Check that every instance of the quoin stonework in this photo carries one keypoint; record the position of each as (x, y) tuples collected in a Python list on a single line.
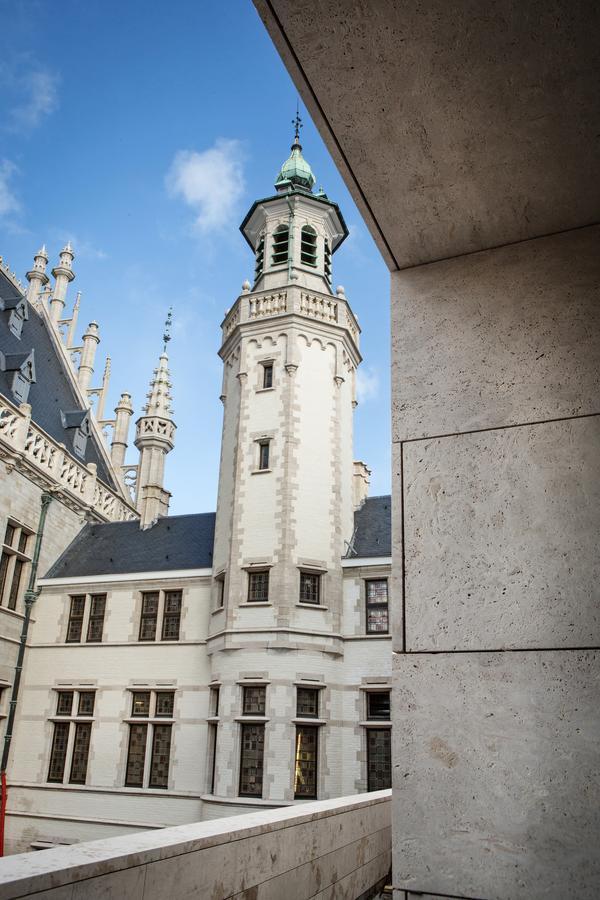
[(180, 668)]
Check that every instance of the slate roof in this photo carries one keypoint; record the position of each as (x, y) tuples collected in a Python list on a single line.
[(118, 548), (51, 392), (373, 528)]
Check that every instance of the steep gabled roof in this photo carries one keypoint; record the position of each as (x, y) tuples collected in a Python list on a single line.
[(119, 548), (52, 392), (373, 528)]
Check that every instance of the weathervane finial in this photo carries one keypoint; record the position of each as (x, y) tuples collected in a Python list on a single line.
[(297, 123), (167, 334)]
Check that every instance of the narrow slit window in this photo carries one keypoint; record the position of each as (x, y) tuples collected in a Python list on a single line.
[(379, 759), (58, 753), (81, 751), (251, 760), (308, 246), (16, 583), (263, 455), (281, 243), (136, 755), (161, 753), (267, 375)]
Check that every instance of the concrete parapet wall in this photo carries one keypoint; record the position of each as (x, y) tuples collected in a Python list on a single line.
[(338, 848)]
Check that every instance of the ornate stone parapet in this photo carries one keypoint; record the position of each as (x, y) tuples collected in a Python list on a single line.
[(30, 450)]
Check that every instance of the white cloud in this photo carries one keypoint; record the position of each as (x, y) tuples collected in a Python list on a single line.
[(36, 97), (367, 384), (9, 203), (210, 182)]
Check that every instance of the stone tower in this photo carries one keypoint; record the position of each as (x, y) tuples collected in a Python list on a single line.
[(154, 438), (285, 504)]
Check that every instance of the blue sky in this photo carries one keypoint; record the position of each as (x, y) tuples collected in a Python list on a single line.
[(143, 132)]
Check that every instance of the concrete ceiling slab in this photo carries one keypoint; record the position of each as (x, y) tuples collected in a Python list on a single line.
[(457, 126)]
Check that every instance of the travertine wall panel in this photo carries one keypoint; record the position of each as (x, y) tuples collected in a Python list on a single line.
[(517, 734), (501, 538), (498, 338)]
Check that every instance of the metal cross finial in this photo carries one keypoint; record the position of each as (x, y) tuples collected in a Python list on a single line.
[(167, 334), (297, 123)]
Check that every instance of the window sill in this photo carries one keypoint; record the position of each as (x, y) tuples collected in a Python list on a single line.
[(214, 720), (265, 390), (376, 723), (311, 606), (150, 720), (260, 471), (305, 721), (255, 603), (219, 609), (252, 720)]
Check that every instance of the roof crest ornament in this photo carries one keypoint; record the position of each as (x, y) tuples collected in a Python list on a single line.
[(167, 332)]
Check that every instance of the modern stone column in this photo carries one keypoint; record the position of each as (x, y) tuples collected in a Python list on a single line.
[(496, 380)]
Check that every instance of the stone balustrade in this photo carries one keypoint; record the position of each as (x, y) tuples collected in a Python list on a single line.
[(299, 301), (24, 445), (330, 848)]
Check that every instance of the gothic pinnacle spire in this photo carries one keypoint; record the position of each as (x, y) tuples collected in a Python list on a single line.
[(167, 332), (297, 123)]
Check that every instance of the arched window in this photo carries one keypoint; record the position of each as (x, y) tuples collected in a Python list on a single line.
[(260, 258), (327, 262), (281, 244), (308, 246)]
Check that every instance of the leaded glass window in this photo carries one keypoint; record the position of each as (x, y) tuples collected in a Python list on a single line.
[(75, 626), (16, 584), (141, 703), (165, 704), (377, 606), (4, 561), (305, 767), (307, 703), (310, 588), (64, 703), (251, 760), (171, 616), (58, 753), (136, 755), (379, 759), (254, 700), (86, 703), (263, 454), (149, 616), (81, 749), (258, 587), (96, 620), (267, 375), (161, 752)]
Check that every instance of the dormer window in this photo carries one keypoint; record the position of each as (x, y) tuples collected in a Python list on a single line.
[(22, 368), (260, 259), (79, 422), (308, 246), (281, 244), (17, 318)]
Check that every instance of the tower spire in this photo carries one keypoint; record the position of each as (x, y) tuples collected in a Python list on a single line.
[(297, 123)]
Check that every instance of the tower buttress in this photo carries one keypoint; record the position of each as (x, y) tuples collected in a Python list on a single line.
[(63, 274), (154, 438)]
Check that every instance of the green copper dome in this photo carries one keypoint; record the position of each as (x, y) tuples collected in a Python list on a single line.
[(296, 170)]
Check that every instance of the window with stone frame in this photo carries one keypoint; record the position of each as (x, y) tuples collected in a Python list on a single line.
[(149, 743), (307, 703), (378, 706), (306, 762), (76, 615), (74, 709), (252, 753), (171, 616), (258, 586), (310, 588), (14, 558), (96, 618), (376, 590), (267, 375), (160, 615), (220, 583), (254, 699)]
